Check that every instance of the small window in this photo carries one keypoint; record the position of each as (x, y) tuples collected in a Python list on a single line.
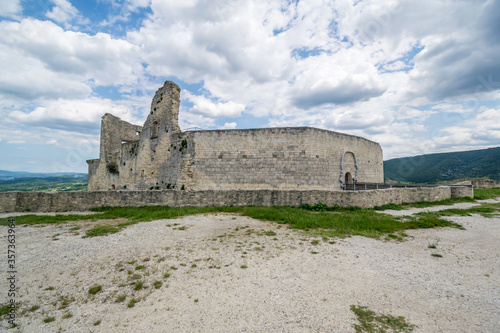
[(142, 173), (137, 133), (113, 186), (154, 130)]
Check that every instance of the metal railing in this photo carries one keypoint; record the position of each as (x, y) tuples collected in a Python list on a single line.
[(373, 186)]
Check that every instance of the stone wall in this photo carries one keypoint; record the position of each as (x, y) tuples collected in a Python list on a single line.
[(79, 201), (300, 158), (485, 183)]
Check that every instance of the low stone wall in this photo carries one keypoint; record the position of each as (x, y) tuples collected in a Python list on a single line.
[(485, 183), (79, 201)]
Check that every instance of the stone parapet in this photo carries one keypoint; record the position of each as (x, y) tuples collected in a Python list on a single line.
[(80, 201)]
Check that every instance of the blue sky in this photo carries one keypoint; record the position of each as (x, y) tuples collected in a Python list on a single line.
[(416, 76)]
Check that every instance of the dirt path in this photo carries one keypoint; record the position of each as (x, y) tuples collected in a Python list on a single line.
[(234, 274)]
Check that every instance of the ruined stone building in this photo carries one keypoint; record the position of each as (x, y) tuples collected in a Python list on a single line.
[(158, 155)]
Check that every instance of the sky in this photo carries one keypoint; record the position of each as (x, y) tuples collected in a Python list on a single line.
[(418, 77)]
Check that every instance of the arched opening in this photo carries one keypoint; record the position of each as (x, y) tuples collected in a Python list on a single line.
[(154, 130), (348, 178)]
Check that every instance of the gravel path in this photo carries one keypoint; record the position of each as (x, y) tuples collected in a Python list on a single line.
[(235, 274)]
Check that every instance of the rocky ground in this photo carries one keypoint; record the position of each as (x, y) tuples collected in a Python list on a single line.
[(227, 273)]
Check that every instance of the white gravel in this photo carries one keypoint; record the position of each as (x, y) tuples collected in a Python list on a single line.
[(285, 287)]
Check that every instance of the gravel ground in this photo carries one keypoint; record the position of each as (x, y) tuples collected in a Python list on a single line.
[(235, 274)]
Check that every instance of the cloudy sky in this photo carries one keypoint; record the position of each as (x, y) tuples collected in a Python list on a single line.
[(416, 76)]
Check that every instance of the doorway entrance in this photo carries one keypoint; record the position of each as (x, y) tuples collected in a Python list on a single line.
[(348, 178)]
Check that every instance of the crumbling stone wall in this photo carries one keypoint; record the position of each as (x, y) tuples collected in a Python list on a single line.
[(163, 157)]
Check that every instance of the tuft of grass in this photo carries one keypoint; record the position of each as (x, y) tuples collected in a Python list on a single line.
[(101, 230), (166, 275), (49, 288), (94, 290), (244, 266), (131, 303), (436, 255), (371, 322), (433, 245), (121, 298), (139, 267), (34, 308), (138, 285), (269, 233), (67, 315), (97, 322), (157, 284), (4, 310), (49, 319)]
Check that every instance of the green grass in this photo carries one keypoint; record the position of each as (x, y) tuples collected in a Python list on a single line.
[(4, 310), (67, 315), (486, 193), (131, 303), (49, 319), (338, 222), (485, 210), (424, 204), (94, 290), (371, 322), (121, 298)]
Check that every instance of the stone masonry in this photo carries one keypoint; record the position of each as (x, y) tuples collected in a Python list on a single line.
[(158, 156)]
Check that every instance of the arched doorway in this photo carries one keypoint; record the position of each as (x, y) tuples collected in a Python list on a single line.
[(348, 178)]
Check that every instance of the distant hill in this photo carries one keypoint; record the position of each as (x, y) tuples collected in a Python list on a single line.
[(4, 174), (434, 168), (27, 181)]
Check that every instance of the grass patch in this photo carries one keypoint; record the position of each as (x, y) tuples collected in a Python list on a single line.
[(49, 319), (67, 315), (424, 204), (97, 322), (486, 193), (94, 290), (328, 222), (138, 285), (34, 308), (4, 310), (157, 284), (369, 322), (131, 303), (121, 298), (485, 210)]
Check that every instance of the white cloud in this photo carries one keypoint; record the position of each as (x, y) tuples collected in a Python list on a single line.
[(231, 125), (73, 56), (62, 12), (206, 107), (10, 8), (74, 115)]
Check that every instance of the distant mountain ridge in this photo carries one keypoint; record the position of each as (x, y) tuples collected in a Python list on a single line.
[(434, 168), (7, 175)]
